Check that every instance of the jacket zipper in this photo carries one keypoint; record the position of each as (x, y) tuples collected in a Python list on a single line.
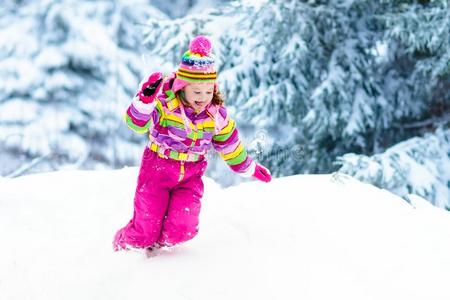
[(181, 171)]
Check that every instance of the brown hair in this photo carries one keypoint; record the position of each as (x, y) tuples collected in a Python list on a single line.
[(216, 100)]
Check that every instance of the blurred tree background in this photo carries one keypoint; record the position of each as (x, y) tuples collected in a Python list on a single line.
[(358, 87)]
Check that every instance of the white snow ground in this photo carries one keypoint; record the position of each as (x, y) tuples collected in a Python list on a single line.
[(298, 237)]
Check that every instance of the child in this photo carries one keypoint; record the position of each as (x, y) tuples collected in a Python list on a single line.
[(185, 116)]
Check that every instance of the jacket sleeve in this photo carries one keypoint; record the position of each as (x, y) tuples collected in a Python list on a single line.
[(230, 146), (139, 115)]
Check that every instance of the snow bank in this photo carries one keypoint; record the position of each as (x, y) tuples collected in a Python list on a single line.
[(298, 237)]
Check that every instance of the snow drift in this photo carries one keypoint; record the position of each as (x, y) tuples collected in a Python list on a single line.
[(298, 237)]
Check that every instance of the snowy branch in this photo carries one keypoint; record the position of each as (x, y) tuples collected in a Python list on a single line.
[(432, 121)]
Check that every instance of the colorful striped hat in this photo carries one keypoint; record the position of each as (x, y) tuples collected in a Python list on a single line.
[(197, 65)]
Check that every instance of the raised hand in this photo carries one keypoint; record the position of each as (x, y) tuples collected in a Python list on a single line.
[(148, 91)]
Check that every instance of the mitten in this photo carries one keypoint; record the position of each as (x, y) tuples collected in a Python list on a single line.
[(148, 91), (262, 173)]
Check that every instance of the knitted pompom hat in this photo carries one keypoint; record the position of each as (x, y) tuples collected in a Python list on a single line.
[(197, 65)]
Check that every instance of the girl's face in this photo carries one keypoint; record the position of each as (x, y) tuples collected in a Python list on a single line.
[(199, 95)]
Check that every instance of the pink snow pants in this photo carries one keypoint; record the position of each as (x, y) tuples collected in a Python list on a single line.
[(166, 207)]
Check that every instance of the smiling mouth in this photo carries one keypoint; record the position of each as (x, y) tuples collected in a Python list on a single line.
[(198, 103)]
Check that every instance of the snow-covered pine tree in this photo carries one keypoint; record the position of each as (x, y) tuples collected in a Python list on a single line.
[(344, 109), (419, 165), (416, 79), (302, 71), (182, 8), (68, 70), (416, 69)]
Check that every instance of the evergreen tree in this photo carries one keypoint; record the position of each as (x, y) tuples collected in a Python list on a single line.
[(415, 73), (419, 165), (64, 87), (305, 73)]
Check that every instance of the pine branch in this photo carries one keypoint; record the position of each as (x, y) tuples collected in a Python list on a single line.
[(24, 168), (432, 121)]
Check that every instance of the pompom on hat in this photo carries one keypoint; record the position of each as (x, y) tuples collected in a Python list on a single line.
[(197, 65)]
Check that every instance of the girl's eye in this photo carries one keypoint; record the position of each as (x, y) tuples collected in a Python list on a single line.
[(197, 93)]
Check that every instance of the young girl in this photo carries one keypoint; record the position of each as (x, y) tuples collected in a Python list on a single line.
[(184, 115)]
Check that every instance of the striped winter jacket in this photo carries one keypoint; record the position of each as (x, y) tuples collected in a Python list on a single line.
[(181, 132)]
